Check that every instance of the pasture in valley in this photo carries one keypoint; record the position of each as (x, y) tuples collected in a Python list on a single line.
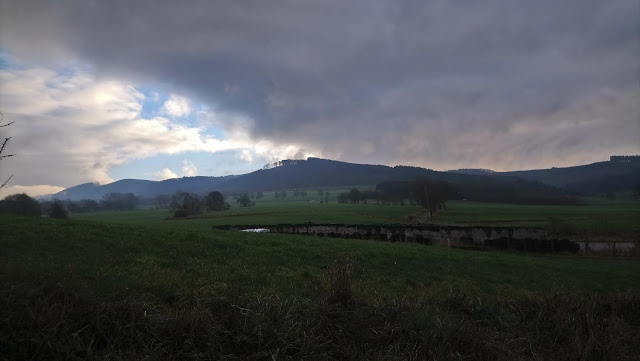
[(129, 285), (598, 217), (267, 213)]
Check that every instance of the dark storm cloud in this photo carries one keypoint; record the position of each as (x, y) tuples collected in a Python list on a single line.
[(442, 84)]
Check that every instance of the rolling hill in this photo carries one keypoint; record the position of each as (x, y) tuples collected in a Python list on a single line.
[(594, 178)]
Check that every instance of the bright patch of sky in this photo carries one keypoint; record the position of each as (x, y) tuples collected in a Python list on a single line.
[(72, 126), (177, 106), (8, 61), (217, 165), (152, 102), (164, 166), (488, 84), (157, 103)]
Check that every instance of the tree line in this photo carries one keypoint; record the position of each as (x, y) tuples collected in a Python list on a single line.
[(430, 195), (23, 205), (182, 203)]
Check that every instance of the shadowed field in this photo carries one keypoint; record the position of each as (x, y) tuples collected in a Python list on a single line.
[(268, 213), (597, 217), (78, 289)]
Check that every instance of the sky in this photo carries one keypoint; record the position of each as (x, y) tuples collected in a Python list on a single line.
[(106, 90)]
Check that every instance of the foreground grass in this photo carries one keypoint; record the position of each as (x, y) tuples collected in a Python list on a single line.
[(80, 289), (198, 262)]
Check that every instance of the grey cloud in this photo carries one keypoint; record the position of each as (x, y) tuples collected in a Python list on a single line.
[(75, 128), (439, 84)]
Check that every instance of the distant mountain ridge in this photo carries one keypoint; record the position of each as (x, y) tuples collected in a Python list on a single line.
[(476, 171), (143, 188), (593, 178), (611, 176)]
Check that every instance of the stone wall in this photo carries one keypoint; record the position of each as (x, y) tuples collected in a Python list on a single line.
[(524, 239), (609, 248)]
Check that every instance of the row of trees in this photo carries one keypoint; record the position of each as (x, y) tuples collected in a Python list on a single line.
[(187, 204), (357, 196), (183, 203), (254, 195), (20, 204), (280, 195), (429, 194), (109, 202), (298, 193), (23, 205)]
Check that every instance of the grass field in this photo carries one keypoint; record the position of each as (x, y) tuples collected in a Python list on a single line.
[(179, 290), (267, 213), (190, 259), (597, 216)]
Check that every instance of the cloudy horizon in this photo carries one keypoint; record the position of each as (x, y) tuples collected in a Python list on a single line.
[(101, 91)]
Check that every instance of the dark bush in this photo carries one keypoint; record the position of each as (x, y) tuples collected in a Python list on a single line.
[(244, 200), (119, 201), (186, 204), (215, 202), (57, 210), (20, 204)]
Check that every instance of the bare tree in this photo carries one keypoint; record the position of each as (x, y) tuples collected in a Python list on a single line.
[(2, 148), (432, 195), (244, 200)]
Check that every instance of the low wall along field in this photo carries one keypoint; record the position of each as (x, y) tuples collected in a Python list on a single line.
[(508, 238)]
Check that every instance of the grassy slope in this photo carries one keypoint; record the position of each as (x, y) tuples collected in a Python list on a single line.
[(192, 260), (85, 289), (597, 216), (268, 213)]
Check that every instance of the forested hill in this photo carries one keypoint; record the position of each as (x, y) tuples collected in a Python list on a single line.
[(621, 173), (143, 188), (601, 177), (314, 173)]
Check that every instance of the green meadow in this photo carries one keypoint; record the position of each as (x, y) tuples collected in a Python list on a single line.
[(198, 261), (267, 213), (597, 217), (140, 285)]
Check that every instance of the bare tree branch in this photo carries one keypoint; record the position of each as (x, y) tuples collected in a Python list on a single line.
[(4, 144), (5, 182), (2, 148), (4, 125)]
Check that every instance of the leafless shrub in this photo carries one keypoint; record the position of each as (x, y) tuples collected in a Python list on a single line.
[(340, 277)]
